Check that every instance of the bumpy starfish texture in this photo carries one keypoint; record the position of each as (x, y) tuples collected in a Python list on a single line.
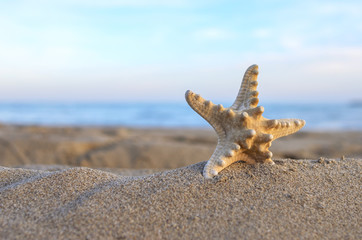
[(243, 133)]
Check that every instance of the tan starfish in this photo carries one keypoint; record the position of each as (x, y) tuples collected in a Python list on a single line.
[(243, 133)]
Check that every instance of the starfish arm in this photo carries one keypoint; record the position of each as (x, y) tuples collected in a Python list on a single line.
[(215, 162), (247, 96), (207, 110), (224, 155), (283, 127)]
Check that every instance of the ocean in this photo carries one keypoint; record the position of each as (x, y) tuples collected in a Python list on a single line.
[(339, 117)]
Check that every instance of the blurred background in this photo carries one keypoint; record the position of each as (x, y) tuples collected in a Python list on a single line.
[(95, 82), (129, 62)]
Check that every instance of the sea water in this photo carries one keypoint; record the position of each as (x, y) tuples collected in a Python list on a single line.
[(318, 116)]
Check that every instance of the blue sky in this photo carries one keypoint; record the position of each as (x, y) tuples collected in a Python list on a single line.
[(138, 50)]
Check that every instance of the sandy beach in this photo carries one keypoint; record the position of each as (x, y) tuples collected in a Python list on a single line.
[(121, 183), (180, 119), (117, 147)]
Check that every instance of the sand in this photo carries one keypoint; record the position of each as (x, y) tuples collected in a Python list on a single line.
[(124, 190), (291, 199), (116, 147)]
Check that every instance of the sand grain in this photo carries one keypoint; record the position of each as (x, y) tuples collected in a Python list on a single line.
[(303, 199)]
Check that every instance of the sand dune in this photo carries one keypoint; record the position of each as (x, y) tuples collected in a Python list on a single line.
[(291, 199)]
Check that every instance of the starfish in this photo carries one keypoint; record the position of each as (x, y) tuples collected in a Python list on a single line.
[(243, 133)]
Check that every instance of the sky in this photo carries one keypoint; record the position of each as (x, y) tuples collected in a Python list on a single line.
[(155, 50)]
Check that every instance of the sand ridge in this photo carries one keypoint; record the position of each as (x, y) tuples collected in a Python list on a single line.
[(308, 199)]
